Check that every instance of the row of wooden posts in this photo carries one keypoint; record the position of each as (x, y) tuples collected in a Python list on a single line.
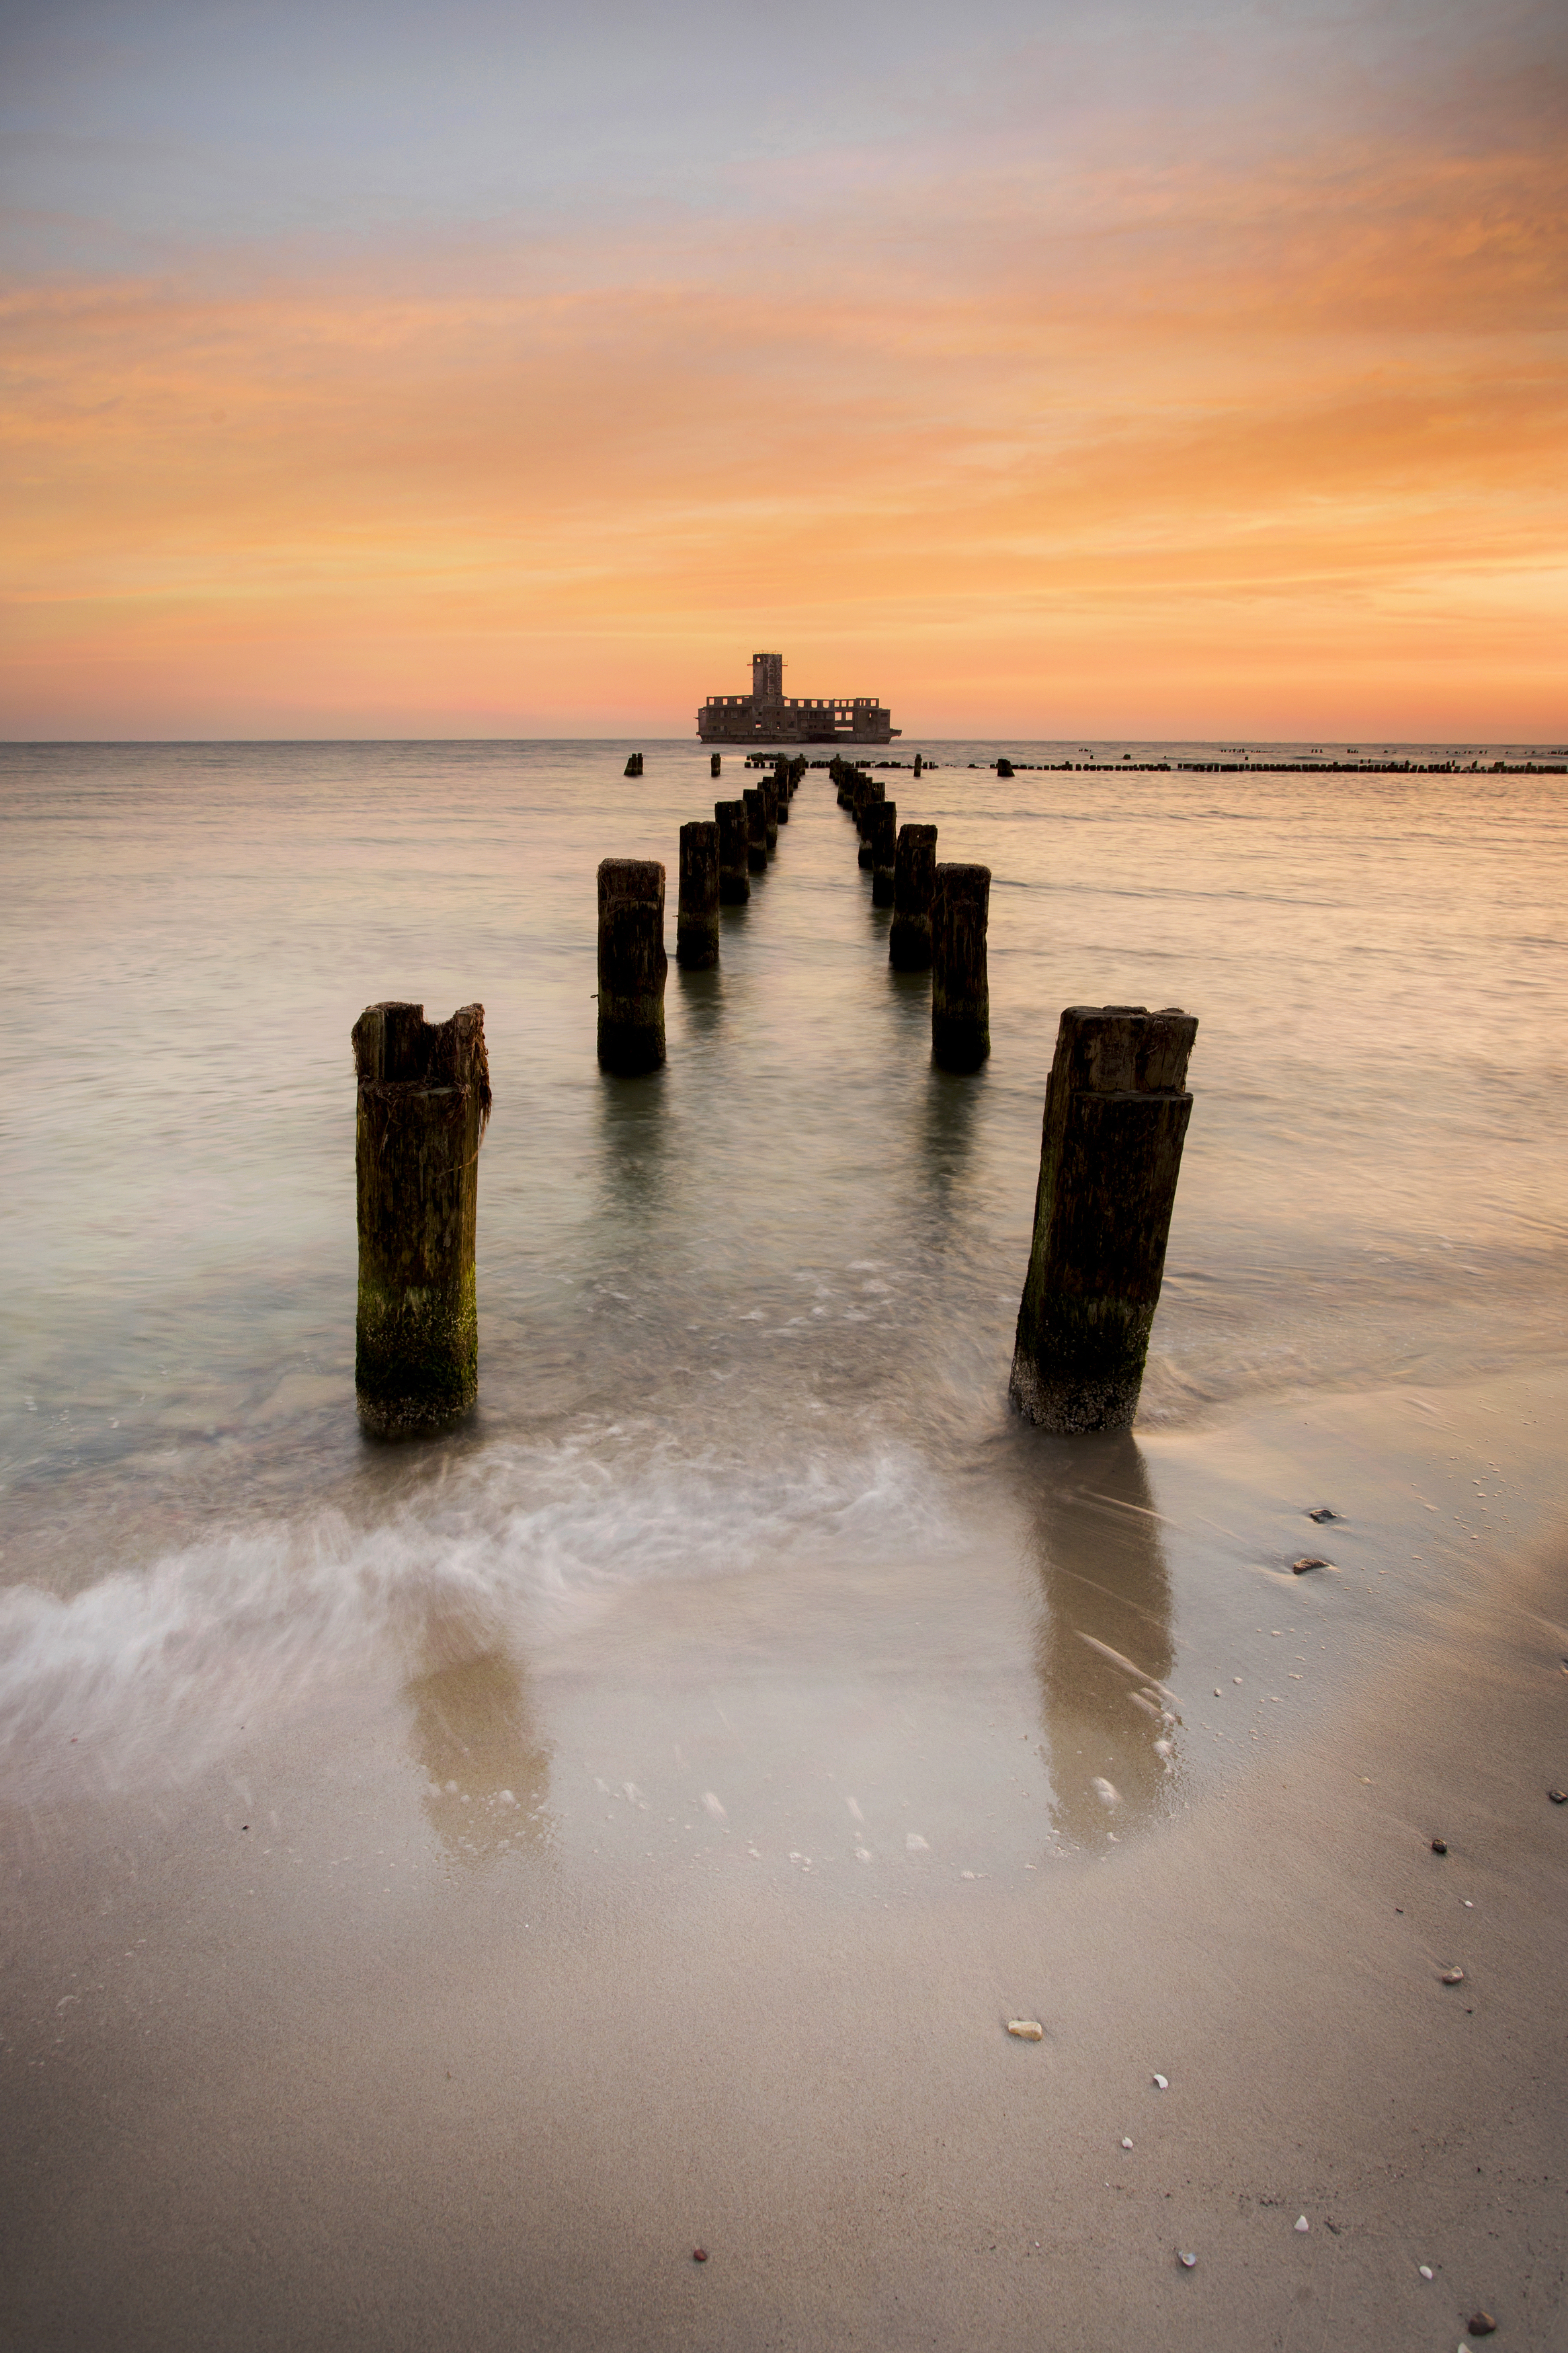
[(1116, 1116)]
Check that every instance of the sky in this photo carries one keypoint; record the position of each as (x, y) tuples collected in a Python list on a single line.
[(1121, 368)]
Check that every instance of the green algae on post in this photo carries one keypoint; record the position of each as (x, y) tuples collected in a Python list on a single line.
[(423, 1099), (1115, 1120)]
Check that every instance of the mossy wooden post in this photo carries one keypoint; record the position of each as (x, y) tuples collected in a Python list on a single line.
[(735, 882), (756, 830), (960, 993), (632, 965), (884, 849), (1110, 1151), (914, 879), (715, 762), (423, 1100), (697, 917), (768, 791)]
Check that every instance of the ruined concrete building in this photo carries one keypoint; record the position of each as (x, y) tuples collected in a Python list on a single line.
[(767, 716)]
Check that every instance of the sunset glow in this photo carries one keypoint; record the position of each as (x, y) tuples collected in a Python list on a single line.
[(1196, 376)]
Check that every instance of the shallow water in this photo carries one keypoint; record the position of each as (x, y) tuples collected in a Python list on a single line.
[(741, 1320)]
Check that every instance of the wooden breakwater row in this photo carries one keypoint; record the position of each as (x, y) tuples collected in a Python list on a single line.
[(1116, 1114)]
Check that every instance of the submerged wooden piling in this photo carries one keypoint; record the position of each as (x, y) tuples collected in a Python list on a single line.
[(782, 790), (1110, 1151), (424, 1097), (634, 764), (756, 829), (715, 762), (697, 917), (914, 880), (768, 791), (884, 848), (960, 993), (735, 882), (632, 965)]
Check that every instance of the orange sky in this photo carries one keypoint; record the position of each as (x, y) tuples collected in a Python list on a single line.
[(1031, 436)]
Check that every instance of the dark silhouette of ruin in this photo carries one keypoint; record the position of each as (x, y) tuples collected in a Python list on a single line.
[(767, 715)]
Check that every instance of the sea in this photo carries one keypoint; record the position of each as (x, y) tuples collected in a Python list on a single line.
[(745, 1323)]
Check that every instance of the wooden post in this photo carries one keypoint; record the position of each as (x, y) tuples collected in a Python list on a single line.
[(696, 919), (423, 1099), (634, 764), (919, 764), (914, 879), (756, 830), (715, 762), (884, 848), (768, 791), (632, 965), (960, 993), (734, 882), (1110, 1151), (866, 808), (781, 788)]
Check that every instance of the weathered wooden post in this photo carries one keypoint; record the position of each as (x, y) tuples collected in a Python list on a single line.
[(632, 964), (1004, 768), (914, 879), (919, 764), (735, 882), (884, 849), (756, 830), (1110, 1151), (697, 917), (781, 788), (634, 764), (768, 791), (715, 762), (871, 799), (960, 993), (423, 1100)]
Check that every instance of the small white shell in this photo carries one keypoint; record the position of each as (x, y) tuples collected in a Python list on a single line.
[(1027, 2030), (1162, 2082)]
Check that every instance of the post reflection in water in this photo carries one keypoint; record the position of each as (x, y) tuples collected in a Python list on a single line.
[(1103, 1651), (950, 1106), (487, 1770), (633, 1122), (701, 1000)]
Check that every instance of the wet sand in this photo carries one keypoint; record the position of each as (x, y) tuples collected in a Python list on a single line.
[(318, 2049)]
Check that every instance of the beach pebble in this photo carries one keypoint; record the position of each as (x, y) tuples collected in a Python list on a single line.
[(699, 2254), (1027, 2030), (1453, 1977), (1558, 1797), (1302, 2223), (1425, 2270), (1186, 2262), (1125, 2142), (1162, 2084), (1439, 1846), (1322, 1514), (1307, 1560), (1480, 2324)]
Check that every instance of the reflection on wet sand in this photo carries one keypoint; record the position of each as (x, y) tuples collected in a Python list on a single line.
[(1103, 1651), (487, 1770)]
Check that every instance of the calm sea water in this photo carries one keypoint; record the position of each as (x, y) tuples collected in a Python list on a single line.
[(759, 1307)]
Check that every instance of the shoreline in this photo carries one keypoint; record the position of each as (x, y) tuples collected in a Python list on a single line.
[(413, 2071)]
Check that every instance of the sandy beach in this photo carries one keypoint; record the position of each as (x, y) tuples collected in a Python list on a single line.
[(322, 2051)]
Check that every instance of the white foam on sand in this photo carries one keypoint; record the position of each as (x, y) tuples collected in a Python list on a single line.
[(154, 1671)]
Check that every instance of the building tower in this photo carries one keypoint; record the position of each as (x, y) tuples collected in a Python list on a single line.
[(767, 678)]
